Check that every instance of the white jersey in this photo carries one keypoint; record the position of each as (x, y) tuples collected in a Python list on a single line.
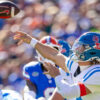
[(72, 66), (67, 78), (91, 79)]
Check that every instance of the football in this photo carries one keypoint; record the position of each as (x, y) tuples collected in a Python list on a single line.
[(8, 9)]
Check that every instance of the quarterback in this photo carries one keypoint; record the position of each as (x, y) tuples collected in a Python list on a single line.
[(87, 52)]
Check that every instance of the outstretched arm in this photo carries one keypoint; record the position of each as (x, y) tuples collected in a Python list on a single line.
[(65, 89), (46, 51)]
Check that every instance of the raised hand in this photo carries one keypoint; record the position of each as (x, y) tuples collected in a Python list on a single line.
[(22, 37)]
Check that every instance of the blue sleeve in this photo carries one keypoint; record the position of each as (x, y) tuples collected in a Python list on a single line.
[(32, 71)]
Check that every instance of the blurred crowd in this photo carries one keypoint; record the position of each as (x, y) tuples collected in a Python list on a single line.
[(63, 19)]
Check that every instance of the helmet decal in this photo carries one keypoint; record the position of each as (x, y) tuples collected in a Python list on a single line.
[(96, 40)]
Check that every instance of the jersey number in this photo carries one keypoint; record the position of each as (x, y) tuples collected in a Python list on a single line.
[(48, 92)]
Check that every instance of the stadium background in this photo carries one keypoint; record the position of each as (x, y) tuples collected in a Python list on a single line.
[(64, 19)]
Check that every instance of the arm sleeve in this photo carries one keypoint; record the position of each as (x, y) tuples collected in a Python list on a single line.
[(66, 76), (67, 90)]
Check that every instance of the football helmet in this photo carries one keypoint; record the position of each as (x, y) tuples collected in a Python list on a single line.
[(87, 47), (50, 41)]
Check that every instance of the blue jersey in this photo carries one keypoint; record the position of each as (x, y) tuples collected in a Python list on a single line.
[(45, 84)]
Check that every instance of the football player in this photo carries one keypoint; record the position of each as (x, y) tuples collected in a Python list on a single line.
[(39, 84), (87, 83)]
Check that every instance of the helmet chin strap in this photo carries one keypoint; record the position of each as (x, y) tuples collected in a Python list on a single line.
[(84, 63)]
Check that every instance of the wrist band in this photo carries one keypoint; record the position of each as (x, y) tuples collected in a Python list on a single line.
[(33, 42)]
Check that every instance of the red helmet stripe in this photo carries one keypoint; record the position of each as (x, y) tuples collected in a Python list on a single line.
[(53, 41), (49, 40), (43, 41)]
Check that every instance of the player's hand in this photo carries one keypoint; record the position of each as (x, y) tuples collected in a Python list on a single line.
[(22, 37), (52, 70)]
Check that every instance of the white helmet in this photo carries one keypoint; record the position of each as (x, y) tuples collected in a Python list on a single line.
[(50, 41)]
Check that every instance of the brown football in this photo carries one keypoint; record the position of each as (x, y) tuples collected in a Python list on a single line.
[(8, 9)]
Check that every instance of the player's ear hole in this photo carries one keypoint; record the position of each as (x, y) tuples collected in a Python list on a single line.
[(56, 48)]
